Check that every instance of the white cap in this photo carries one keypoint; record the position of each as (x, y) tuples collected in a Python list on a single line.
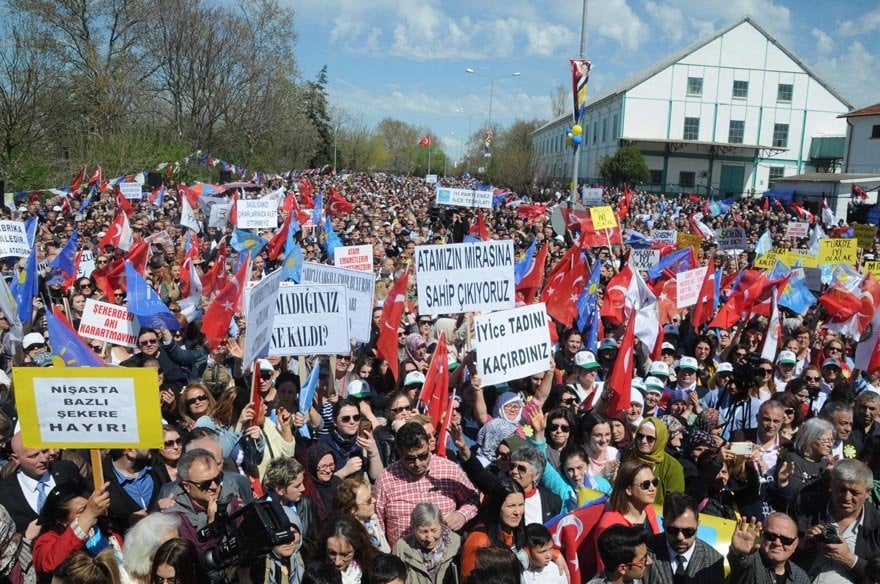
[(724, 367), (586, 360), (659, 368), (667, 346), (414, 378), (32, 339), (786, 358), (654, 385), (359, 388), (639, 384), (688, 363), (264, 365)]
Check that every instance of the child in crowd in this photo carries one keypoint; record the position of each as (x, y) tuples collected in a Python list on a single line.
[(542, 569)]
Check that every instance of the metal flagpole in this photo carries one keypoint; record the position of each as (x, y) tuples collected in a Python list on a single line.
[(576, 158)]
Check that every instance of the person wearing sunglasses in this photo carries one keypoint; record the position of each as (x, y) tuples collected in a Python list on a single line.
[(194, 402), (649, 446), (165, 459), (679, 555), (559, 434), (174, 361), (775, 542), (623, 551), (354, 448)]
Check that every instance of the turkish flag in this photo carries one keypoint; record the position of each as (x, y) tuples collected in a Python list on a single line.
[(435, 391), (666, 300), (561, 294), (479, 229), (96, 177), (705, 307), (534, 277), (569, 533), (591, 237), (276, 244), (306, 190), (215, 324), (389, 322), (188, 259), (337, 205), (118, 234), (123, 203), (425, 142), (620, 380), (77, 180), (215, 278), (625, 200)]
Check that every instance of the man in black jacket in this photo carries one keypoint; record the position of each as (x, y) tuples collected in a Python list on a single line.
[(174, 362)]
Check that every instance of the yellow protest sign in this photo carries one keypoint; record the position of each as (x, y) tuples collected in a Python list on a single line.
[(865, 235), (603, 217), (768, 260), (88, 407), (806, 259), (872, 267), (837, 251), (683, 240)]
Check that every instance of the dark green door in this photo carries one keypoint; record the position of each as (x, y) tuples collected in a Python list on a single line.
[(732, 180)]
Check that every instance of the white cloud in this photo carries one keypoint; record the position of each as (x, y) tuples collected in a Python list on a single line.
[(853, 73), (669, 18), (866, 23), (824, 43)]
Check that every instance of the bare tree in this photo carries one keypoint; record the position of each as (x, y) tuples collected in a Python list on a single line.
[(560, 100)]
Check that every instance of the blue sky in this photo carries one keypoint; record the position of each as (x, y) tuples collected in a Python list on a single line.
[(407, 58)]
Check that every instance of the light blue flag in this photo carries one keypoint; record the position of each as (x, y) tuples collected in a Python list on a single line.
[(245, 241), (588, 315), (796, 296), (307, 395), (521, 268), (144, 303), (67, 345), (331, 241), (24, 287), (764, 244)]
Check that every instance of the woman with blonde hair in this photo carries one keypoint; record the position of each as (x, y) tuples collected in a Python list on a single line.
[(81, 568), (194, 402), (221, 418)]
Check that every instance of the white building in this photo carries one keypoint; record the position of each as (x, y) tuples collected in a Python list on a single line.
[(727, 115), (862, 150)]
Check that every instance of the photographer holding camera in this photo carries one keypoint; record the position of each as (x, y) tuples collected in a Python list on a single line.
[(839, 533)]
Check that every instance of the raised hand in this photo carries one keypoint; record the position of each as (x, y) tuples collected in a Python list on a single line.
[(745, 536)]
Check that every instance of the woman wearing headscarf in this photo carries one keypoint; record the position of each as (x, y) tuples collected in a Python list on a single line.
[(621, 433), (417, 351), (322, 471), (285, 565), (676, 436), (507, 414), (650, 447)]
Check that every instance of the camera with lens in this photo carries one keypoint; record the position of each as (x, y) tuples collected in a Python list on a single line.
[(246, 534), (828, 535)]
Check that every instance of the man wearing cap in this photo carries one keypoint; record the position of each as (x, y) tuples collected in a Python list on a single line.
[(668, 354), (586, 386), (785, 364), (412, 384), (35, 350), (686, 385), (660, 370), (654, 388), (607, 351), (830, 374)]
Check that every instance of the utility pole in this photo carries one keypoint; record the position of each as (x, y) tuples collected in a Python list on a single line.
[(576, 158)]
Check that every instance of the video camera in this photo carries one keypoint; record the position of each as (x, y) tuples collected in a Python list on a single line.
[(246, 534)]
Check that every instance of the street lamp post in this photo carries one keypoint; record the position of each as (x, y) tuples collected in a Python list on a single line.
[(491, 85), (470, 117)]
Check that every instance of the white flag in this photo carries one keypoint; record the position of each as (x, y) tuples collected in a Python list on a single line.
[(188, 217)]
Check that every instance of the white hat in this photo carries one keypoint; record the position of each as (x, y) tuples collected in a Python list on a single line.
[(654, 385), (659, 368), (636, 396), (786, 358), (586, 360), (56, 208), (32, 339), (639, 384), (264, 365), (688, 363), (724, 367), (667, 347), (359, 388), (414, 378)]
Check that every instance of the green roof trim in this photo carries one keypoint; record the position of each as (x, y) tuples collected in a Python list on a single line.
[(827, 147)]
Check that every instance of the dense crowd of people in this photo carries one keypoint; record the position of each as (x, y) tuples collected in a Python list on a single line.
[(786, 445)]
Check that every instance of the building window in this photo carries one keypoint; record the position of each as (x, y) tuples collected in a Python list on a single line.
[(780, 135), (776, 172), (605, 130), (595, 133), (875, 131), (784, 92), (687, 179), (656, 177), (691, 129), (615, 121), (736, 132), (695, 86), (740, 89)]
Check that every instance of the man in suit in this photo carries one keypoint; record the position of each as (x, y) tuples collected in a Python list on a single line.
[(23, 492), (778, 541), (866, 430), (679, 556), (841, 417)]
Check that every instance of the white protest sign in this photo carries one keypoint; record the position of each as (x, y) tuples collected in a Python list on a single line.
[(644, 259), (257, 214), (689, 284), (360, 286), (797, 229), (593, 197), (86, 264), (188, 217), (431, 179), (512, 343), (131, 190), (354, 257), (114, 324), (731, 238), (43, 266), (261, 314), (13, 239), (464, 197), (462, 277), (219, 216), (161, 238), (669, 236), (310, 320)]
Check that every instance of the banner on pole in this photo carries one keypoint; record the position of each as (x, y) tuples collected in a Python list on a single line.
[(110, 323), (261, 314), (14, 240), (837, 251), (797, 229), (593, 197), (644, 259), (462, 277), (668, 236), (464, 197), (688, 286), (354, 257), (219, 216), (131, 190), (257, 214), (360, 286), (86, 264), (513, 343), (731, 238), (310, 320)]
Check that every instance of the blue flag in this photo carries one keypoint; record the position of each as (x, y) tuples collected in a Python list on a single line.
[(677, 261), (765, 243), (24, 287), (318, 210), (67, 345), (796, 296), (245, 241), (521, 268), (144, 303), (332, 240), (66, 258), (717, 208), (588, 314), (637, 240), (291, 269), (30, 227), (307, 394)]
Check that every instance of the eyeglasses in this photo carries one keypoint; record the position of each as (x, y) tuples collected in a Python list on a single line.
[(417, 457), (205, 485), (643, 561), (560, 428), (765, 371), (811, 378), (173, 443), (688, 532), (146, 342), (770, 537), (343, 358), (570, 401), (84, 286), (118, 294), (101, 261), (396, 411), (97, 348), (789, 411), (266, 375), (502, 455), (683, 372), (520, 468), (648, 483), (645, 437), (197, 398), (350, 419), (832, 369), (327, 467), (834, 349)]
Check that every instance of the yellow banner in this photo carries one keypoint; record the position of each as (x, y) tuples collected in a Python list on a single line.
[(603, 217), (806, 259), (837, 251), (768, 260), (683, 240), (872, 268), (865, 235), (88, 407)]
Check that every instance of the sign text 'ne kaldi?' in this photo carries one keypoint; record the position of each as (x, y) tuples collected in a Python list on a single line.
[(310, 320), (464, 277)]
